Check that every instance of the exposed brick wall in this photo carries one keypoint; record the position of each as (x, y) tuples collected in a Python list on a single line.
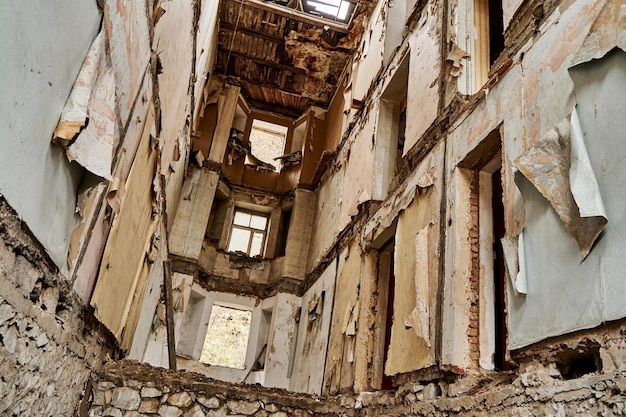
[(474, 296), (48, 349)]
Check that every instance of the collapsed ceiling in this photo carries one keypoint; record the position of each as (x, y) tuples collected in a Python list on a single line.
[(284, 56)]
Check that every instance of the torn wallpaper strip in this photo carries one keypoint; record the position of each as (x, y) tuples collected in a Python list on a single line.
[(75, 117), (88, 122), (558, 166), (513, 245)]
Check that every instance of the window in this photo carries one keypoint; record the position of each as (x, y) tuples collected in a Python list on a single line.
[(390, 132), (248, 232), (226, 340), (488, 21), (267, 142)]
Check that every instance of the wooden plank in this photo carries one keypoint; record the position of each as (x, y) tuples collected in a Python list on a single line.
[(169, 313)]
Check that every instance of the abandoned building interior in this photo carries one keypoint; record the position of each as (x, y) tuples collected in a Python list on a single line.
[(313, 208)]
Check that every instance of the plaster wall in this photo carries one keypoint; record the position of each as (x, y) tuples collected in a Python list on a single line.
[(578, 294), (530, 99), (299, 235), (281, 340), (509, 7), (358, 176), (126, 24), (43, 48), (326, 221), (205, 51), (173, 39), (193, 213), (308, 369), (370, 56), (341, 358), (424, 68)]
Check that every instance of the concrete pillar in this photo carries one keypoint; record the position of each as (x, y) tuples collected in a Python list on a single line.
[(193, 213), (299, 235)]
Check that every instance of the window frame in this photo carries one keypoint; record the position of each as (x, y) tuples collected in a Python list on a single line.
[(251, 230)]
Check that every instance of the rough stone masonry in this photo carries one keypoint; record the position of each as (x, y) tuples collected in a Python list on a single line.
[(47, 348)]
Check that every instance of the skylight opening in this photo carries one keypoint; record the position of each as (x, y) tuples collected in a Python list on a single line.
[(334, 9)]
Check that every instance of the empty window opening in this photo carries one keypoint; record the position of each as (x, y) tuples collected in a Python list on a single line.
[(385, 292), (496, 30), (401, 136), (584, 359), (487, 332), (489, 24), (299, 133), (217, 219), (389, 285), (283, 230), (497, 207), (267, 142), (226, 340), (263, 339), (247, 235), (390, 132)]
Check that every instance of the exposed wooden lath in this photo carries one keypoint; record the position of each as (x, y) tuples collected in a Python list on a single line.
[(284, 60)]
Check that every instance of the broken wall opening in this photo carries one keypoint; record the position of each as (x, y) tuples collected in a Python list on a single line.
[(226, 339), (386, 288), (217, 219), (487, 330), (390, 131), (575, 362), (283, 230), (267, 143)]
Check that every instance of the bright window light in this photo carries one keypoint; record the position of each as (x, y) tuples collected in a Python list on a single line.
[(247, 234), (267, 141), (335, 9), (226, 340)]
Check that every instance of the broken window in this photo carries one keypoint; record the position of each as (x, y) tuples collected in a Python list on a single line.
[(267, 143), (247, 234), (226, 340)]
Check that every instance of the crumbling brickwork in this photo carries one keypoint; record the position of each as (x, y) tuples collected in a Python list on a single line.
[(473, 330), (48, 348)]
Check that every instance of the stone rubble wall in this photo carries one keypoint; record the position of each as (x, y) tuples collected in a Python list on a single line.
[(130, 389), (47, 351)]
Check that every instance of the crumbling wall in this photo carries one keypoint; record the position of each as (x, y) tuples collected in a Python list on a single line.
[(547, 79), (313, 330), (49, 342), (424, 71), (547, 383)]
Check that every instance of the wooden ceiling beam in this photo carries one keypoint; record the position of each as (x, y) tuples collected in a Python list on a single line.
[(277, 108), (261, 61), (229, 26), (239, 80)]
